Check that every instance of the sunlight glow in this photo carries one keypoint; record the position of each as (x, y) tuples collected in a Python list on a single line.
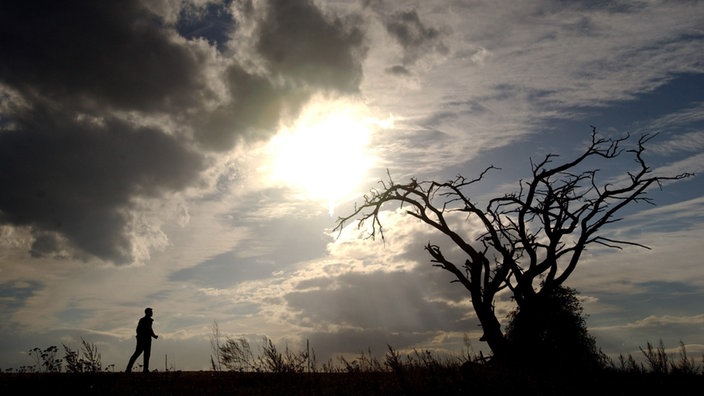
[(325, 155)]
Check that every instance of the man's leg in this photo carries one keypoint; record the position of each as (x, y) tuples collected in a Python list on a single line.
[(147, 354), (134, 357)]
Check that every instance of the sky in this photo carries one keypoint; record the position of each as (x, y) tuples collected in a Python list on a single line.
[(193, 156)]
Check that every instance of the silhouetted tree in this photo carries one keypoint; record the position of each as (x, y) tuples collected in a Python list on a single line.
[(531, 240)]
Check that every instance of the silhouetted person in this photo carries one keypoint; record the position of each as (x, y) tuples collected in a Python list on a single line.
[(144, 340)]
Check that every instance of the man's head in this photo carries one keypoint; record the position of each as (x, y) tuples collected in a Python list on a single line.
[(148, 311)]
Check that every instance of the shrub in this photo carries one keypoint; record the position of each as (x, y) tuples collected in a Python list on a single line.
[(550, 332), (46, 360), (86, 360)]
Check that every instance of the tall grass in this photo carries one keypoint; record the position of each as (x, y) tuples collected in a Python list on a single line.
[(239, 355), (658, 361)]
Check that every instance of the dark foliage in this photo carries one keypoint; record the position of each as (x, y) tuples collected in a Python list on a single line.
[(86, 360), (549, 332)]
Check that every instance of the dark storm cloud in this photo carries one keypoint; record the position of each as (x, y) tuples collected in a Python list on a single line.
[(300, 43), (304, 52), (69, 169), (255, 108), (415, 38), (96, 54), (72, 164), (64, 176)]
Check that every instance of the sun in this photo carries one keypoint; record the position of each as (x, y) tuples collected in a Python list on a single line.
[(326, 153)]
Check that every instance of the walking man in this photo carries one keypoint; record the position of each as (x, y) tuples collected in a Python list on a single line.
[(144, 341)]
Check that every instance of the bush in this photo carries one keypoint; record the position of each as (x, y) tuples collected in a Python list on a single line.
[(549, 331)]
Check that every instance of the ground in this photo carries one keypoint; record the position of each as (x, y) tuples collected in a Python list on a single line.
[(404, 383)]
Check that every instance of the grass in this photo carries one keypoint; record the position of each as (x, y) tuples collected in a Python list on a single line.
[(271, 372), (415, 373)]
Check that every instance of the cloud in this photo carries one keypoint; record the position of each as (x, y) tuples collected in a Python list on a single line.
[(285, 53), (298, 42), (687, 117), (634, 334), (415, 38), (13, 294), (104, 107), (687, 213), (96, 55), (254, 257), (512, 69), (77, 179), (667, 320), (211, 21), (377, 301), (364, 288)]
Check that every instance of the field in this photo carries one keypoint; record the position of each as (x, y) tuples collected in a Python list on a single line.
[(420, 382)]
